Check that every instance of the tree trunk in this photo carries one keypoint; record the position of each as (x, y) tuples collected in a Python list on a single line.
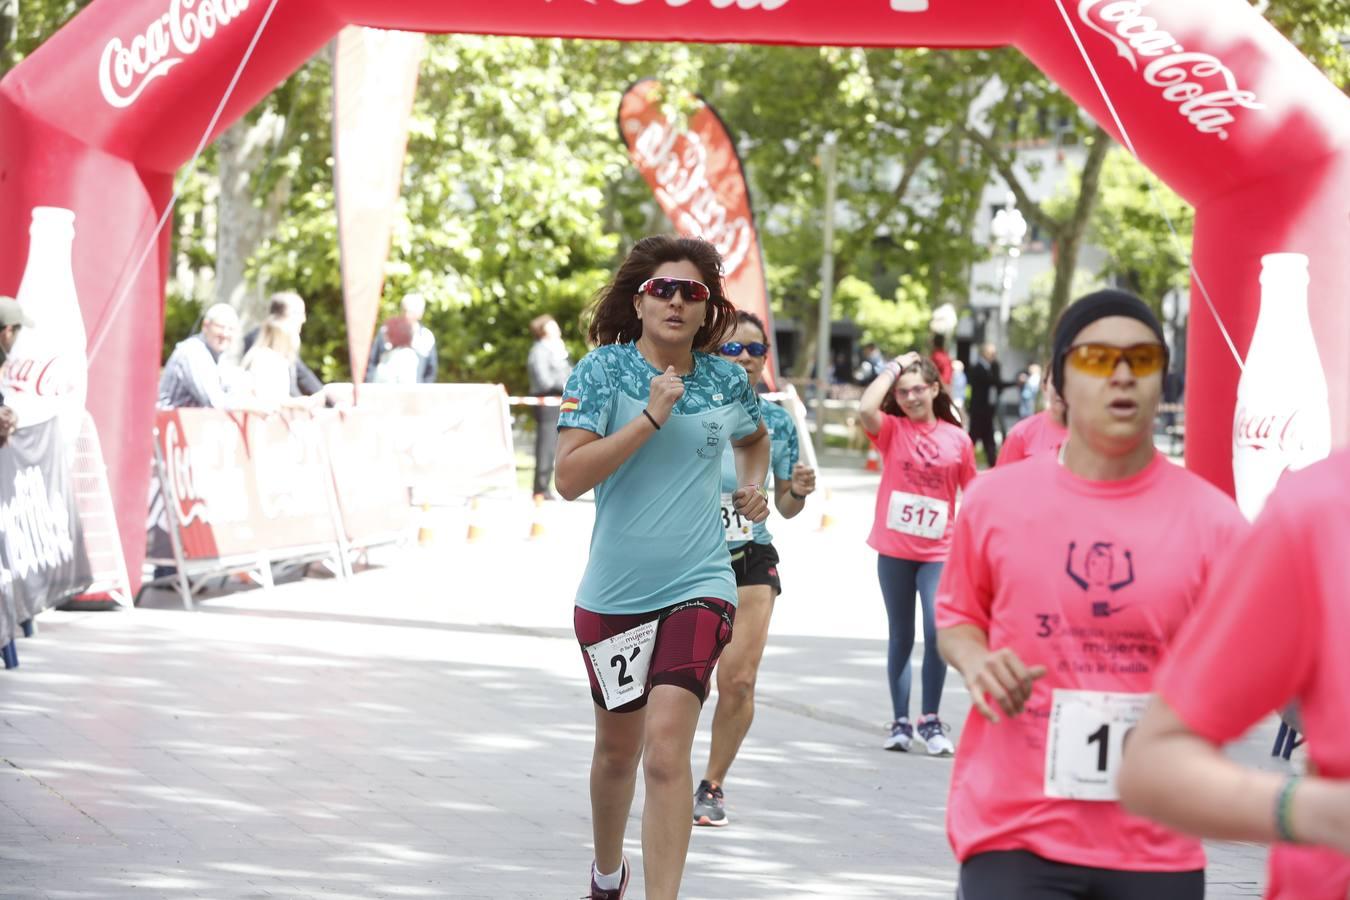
[(9, 35), (242, 222), (807, 316), (1070, 238)]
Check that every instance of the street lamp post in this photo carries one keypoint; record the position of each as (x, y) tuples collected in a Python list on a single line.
[(1009, 228)]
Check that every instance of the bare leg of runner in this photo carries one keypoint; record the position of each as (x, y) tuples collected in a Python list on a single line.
[(672, 715), (737, 670), (614, 765)]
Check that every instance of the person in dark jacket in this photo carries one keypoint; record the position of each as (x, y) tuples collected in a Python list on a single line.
[(549, 369), (986, 386)]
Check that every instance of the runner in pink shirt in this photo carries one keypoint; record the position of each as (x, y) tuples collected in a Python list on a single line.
[(1043, 432), (1271, 628), (1068, 578), (926, 460)]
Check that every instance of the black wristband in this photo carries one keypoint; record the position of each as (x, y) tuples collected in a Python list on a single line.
[(655, 424), (797, 495)]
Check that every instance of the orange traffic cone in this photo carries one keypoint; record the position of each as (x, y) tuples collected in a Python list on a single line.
[(826, 520), (475, 530), (537, 526), (425, 535), (873, 460)]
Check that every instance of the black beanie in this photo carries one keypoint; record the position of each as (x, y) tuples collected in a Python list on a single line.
[(1099, 305)]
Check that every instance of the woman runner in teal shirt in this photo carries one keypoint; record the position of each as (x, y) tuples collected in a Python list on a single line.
[(755, 562), (645, 419)]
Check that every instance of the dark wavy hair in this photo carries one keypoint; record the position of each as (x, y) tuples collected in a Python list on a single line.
[(943, 407), (613, 319), (743, 316)]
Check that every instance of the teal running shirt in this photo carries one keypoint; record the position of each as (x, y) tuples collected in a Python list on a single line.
[(658, 538), (785, 453)]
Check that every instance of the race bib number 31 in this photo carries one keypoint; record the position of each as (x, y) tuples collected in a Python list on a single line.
[(621, 663), (738, 528), (917, 515), (1085, 741)]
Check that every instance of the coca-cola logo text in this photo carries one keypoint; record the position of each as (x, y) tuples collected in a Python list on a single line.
[(52, 376), (1204, 89), (208, 485), (35, 526), (1267, 431), (678, 162), (124, 71)]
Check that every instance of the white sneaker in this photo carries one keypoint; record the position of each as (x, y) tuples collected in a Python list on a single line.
[(902, 735), (933, 734)]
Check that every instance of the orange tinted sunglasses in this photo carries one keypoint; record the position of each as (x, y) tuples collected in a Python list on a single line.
[(1100, 360)]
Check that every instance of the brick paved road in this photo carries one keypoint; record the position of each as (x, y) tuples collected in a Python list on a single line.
[(423, 731)]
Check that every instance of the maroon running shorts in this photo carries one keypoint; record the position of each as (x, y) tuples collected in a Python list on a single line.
[(689, 640)]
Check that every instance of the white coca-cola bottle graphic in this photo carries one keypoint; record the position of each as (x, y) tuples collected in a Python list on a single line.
[(1283, 418), (47, 371)]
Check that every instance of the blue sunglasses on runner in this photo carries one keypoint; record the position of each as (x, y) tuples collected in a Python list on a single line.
[(734, 348), (664, 288)]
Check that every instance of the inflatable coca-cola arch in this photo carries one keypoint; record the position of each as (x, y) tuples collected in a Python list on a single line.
[(1206, 93)]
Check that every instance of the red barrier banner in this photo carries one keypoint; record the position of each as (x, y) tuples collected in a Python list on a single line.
[(207, 466), (371, 494), (453, 440), (293, 481), (698, 181), (244, 485)]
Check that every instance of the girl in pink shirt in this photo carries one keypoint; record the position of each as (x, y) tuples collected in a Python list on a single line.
[(926, 460), (1069, 575), (1271, 628), (1045, 431)]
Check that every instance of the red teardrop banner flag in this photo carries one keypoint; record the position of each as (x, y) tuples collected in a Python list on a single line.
[(698, 181)]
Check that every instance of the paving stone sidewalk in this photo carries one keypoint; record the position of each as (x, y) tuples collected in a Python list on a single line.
[(423, 730)]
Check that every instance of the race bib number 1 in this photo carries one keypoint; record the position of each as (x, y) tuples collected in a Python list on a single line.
[(738, 528), (621, 663), (917, 515), (1085, 741)]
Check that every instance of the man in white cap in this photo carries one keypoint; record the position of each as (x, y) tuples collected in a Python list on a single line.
[(12, 319)]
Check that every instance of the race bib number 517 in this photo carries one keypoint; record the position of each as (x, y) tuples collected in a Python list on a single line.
[(917, 515)]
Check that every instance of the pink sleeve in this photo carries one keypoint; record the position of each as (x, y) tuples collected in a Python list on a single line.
[(965, 592), (1249, 645), (1014, 448), (883, 438), (968, 471)]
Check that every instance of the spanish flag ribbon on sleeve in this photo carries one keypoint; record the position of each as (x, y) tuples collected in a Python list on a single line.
[(570, 404)]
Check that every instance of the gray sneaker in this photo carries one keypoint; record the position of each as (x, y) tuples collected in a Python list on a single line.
[(934, 735), (709, 805), (902, 735)]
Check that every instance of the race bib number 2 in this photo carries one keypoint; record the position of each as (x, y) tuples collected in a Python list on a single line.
[(737, 527), (621, 664), (917, 515), (1085, 741)]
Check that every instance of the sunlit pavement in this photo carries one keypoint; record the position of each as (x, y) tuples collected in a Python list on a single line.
[(424, 730)]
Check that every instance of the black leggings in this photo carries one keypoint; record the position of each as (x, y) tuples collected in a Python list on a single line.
[(1021, 875)]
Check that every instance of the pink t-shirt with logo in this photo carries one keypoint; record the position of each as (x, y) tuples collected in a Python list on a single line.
[(1032, 435), (1091, 580), (1272, 627), (919, 461)]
